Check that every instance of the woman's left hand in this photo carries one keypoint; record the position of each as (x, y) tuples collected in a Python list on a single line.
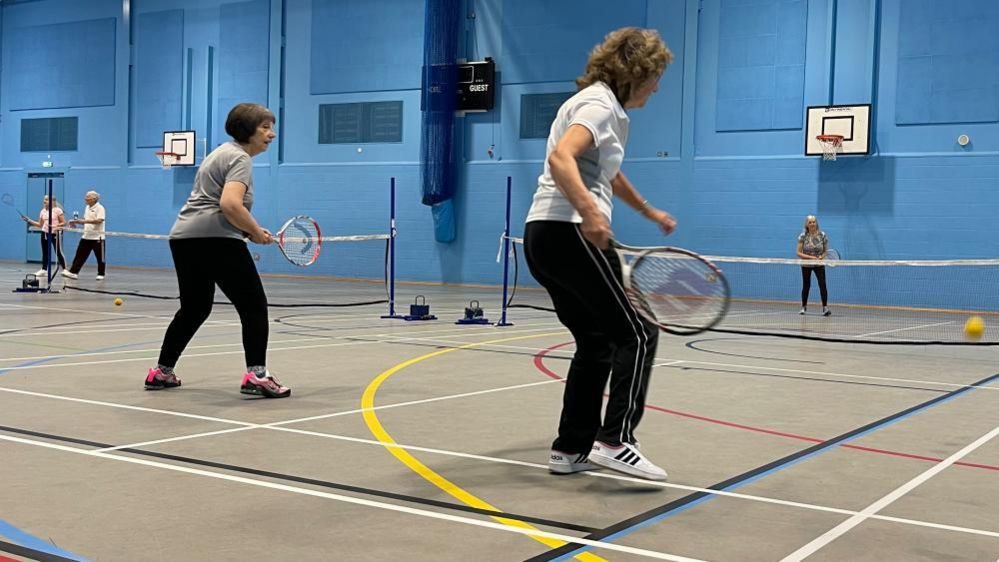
[(665, 220)]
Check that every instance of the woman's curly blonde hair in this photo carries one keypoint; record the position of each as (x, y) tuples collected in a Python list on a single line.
[(628, 58)]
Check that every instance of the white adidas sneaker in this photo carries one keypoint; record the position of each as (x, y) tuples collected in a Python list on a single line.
[(625, 458), (569, 463)]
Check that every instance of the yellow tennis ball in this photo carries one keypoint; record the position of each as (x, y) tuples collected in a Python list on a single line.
[(974, 327), (118, 302)]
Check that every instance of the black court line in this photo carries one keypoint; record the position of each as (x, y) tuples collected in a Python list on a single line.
[(735, 481), (853, 340), (310, 481), (683, 367), (693, 345), (32, 554)]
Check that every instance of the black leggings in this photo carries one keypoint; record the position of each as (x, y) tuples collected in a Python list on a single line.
[(203, 263), (806, 284), (612, 340), (57, 245)]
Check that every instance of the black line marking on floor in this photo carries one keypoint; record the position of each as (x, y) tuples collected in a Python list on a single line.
[(692, 345), (31, 553), (311, 481), (773, 465)]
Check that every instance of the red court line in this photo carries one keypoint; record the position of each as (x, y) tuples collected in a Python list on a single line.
[(5, 559), (539, 363)]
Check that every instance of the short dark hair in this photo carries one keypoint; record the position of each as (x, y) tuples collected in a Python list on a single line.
[(244, 119)]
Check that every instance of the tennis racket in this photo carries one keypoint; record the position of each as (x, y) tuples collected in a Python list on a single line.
[(832, 256), (676, 289), (299, 240), (8, 200)]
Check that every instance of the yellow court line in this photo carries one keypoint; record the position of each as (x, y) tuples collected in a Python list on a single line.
[(383, 437)]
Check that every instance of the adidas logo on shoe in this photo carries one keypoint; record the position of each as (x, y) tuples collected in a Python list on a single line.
[(627, 459), (569, 463)]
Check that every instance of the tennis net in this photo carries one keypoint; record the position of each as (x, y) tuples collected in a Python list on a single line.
[(917, 302)]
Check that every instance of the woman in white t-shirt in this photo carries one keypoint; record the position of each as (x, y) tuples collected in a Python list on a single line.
[(53, 229), (566, 242), (813, 244)]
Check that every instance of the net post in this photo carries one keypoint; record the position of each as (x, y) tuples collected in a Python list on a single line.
[(391, 281), (506, 253)]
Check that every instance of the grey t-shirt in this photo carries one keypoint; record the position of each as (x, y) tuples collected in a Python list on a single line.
[(202, 215)]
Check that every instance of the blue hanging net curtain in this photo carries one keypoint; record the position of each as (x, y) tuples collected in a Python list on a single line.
[(440, 81)]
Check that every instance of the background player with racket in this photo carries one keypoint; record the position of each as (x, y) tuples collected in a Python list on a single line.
[(567, 244), (813, 244), (208, 249), (54, 229)]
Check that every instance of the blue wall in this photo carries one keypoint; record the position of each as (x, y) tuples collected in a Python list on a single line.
[(719, 146)]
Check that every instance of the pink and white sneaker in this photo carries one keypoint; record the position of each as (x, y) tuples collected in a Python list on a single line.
[(266, 386), (158, 380)]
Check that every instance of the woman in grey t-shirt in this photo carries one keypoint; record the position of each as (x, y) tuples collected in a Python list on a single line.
[(208, 248), (813, 245)]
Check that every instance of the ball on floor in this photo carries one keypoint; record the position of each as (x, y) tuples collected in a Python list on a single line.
[(118, 302), (974, 327)]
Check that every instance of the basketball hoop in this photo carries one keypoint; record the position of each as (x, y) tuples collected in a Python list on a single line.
[(831, 145), (168, 159)]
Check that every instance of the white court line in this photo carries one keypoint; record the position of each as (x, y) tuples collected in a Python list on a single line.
[(172, 439), (412, 403), (843, 375), (276, 426), (904, 329), (396, 339), (614, 476), (357, 501), (82, 313), (30, 332), (669, 363), (144, 350), (448, 331), (888, 499), (124, 406)]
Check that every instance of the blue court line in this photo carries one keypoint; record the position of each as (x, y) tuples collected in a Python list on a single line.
[(35, 543), (567, 552), (17, 535)]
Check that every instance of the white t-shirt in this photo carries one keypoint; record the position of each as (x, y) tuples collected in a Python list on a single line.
[(596, 108), (93, 231)]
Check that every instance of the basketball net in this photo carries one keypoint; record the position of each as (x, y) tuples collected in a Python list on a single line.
[(831, 145), (168, 159)]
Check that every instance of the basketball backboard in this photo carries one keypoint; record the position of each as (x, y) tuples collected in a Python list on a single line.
[(182, 144), (852, 122)]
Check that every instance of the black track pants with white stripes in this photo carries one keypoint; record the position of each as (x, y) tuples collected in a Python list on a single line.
[(611, 338)]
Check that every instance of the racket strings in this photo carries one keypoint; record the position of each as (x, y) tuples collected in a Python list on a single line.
[(300, 241), (678, 289)]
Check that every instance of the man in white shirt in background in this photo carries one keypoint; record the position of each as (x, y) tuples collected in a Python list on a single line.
[(92, 239)]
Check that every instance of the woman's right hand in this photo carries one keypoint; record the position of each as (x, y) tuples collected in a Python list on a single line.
[(262, 237), (596, 230)]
